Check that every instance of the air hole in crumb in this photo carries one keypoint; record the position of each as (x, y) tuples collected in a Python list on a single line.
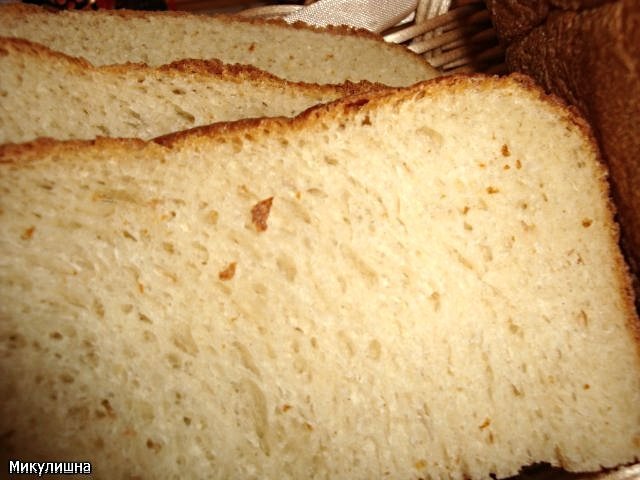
[(174, 360), (485, 424), (228, 272), (514, 328), (126, 308), (98, 308), (527, 227), (287, 266), (487, 253), (586, 223), (583, 319), (151, 445), (128, 235), (28, 233), (505, 150), (375, 349), (260, 214), (260, 288), (66, 378), (108, 408), (316, 192), (188, 117), (148, 336), (516, 391), (435, 300)]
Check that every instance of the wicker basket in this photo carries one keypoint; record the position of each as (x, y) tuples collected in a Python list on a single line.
[(454, 36)]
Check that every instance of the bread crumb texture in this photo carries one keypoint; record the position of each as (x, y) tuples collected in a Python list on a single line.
[(396, 318), (297, 53), (136, 100)]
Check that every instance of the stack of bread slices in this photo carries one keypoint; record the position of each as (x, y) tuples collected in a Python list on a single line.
[(245, 249)]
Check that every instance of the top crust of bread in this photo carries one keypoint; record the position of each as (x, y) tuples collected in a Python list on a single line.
[(200, 68)]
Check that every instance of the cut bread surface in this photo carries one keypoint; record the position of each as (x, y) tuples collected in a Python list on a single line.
[(134, 100), (422, 283), (294, 52)]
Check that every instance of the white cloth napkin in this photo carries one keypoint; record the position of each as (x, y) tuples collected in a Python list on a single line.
[(375, 16)]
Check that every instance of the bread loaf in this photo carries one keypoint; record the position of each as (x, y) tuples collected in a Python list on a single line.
[(46, 93), (416, 283), (294, 52), (588, 52)]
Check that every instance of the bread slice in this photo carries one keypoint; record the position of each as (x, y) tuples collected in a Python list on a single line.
[(294, 52), (46, 93), (590, 56), (421, 283)]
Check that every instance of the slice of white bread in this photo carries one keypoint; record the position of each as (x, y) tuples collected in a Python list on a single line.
[(422, 283), (295, 52), (46, 93)]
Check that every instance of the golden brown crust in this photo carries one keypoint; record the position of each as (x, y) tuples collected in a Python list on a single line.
[(22, 153), (19, 45), (238, 72), (43, 146), (204, 69), (331, 110), (369, 99)]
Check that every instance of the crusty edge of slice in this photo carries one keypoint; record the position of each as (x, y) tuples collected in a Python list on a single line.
[(15, 155), (202, 70)]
